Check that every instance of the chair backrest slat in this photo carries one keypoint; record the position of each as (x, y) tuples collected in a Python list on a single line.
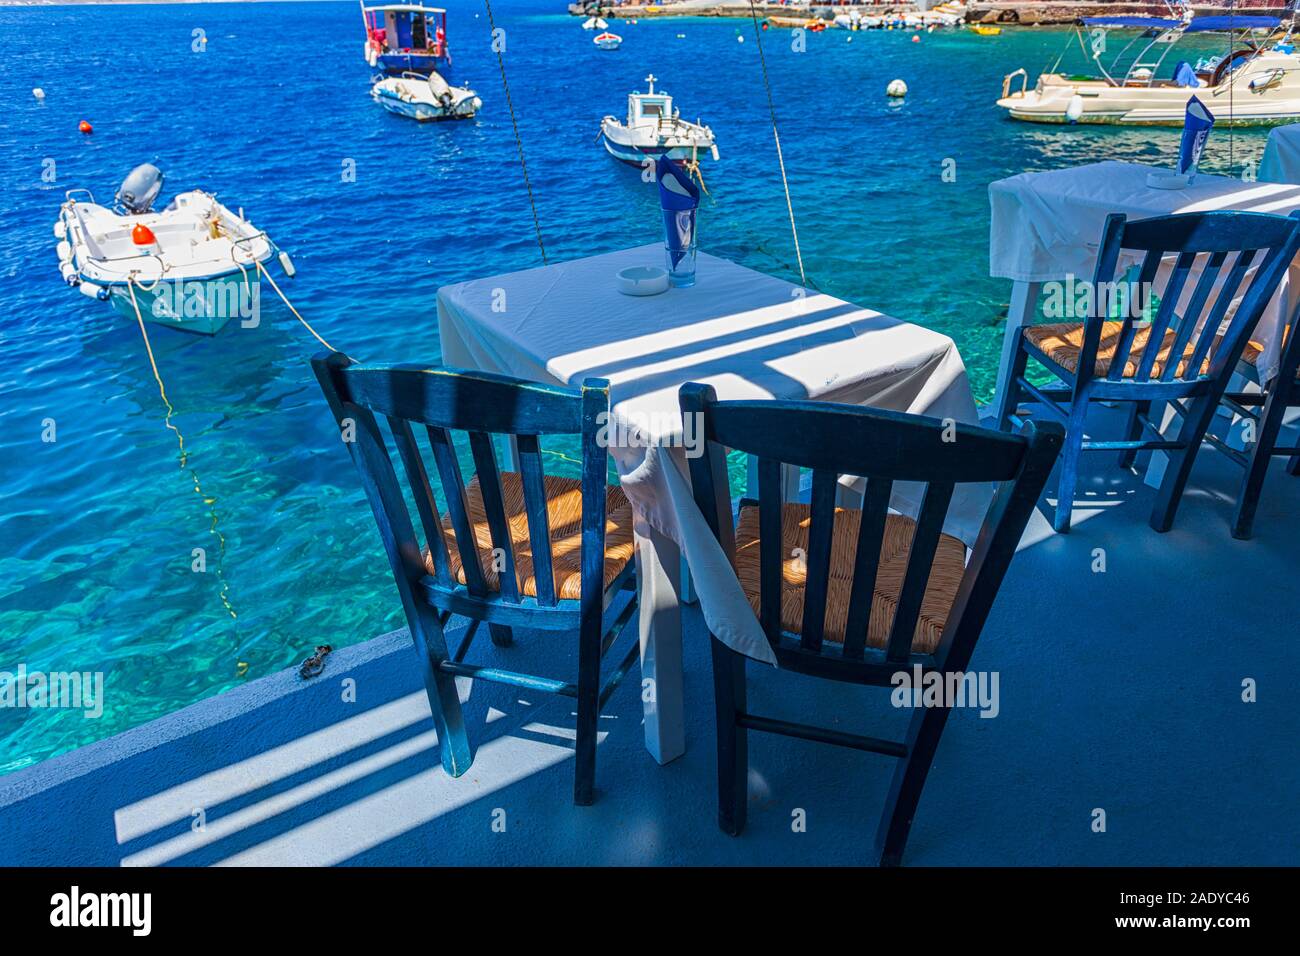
[(453, 489), (493, 495), (817, 562), (771, 555), (920, 559), (1210, 334), (1164, 317), (533, 479), (1128, 327), (1210, 273), (866, 562), (425, 503)]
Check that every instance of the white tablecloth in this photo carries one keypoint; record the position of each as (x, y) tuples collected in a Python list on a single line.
[(749, 335), (1281, 162), (1046, 226)]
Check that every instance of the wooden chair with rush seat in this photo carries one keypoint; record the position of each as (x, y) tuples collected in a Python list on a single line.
[(857, 595), (549, 553), (1109, 359)]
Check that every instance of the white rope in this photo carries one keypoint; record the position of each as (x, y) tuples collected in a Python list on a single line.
[(780, 158)]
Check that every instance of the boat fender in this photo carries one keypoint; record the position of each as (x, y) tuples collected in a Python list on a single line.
[(287, 264), (64, 248), (69, 273), (142, 235), (896, 88), (93, 291), (1074, 109), (60, 229)]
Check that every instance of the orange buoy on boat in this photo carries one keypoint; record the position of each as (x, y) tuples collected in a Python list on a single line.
[(142, 235), (85, 127)]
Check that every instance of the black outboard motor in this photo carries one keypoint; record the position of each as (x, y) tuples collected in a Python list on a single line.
[(140, 188)]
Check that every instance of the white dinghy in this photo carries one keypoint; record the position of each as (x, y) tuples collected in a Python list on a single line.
[(655, 129), (425, 98), (194, 266)]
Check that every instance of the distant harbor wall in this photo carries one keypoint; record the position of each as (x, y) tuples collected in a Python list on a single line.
[(1022, 12), (1031, 13)]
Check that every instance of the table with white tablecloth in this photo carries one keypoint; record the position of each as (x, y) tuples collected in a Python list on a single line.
[(1281, 160), (750, 336)]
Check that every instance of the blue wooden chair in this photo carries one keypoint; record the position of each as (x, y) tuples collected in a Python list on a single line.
[(857, 595), (1276, 397), (548, 552), (1106, 359)]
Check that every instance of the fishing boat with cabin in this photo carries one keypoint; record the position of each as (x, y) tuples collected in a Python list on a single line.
[(654, 129), (406, 38), (1256, 82), (193, 266)]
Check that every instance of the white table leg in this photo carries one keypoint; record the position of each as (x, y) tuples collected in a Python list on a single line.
[(1024, 301), (659, 566)]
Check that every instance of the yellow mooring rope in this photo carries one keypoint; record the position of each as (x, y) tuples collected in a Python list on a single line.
[(284, 298), (184, 459)]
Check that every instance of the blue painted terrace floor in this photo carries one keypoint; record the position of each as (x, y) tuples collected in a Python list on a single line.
[(1120, 690)]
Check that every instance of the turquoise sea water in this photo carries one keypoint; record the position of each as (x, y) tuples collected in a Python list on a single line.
[(97, 528)]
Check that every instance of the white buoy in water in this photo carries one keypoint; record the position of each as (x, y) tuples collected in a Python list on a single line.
[(38, 93), (740, 39), (1074, 109), (896, 88)]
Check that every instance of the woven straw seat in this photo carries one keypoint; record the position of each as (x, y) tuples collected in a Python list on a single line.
[(564, 518), (1063, 341), (945, 574), (1252, 353)]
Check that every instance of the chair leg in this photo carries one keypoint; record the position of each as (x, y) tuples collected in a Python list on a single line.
[(502, 635), (733, 747), (1011, 394), (1069, 463), (1133, 432), (444, 700), (584, 773), (1195, 423), (1270, 423), (909, 779)]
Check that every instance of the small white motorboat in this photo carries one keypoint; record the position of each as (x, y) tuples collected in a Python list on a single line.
[(607, 41), (425, 98), (194, 266), (595, 23), (655, 129)]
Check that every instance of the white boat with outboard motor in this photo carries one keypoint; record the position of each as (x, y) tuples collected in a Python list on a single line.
[(193, 266), (1256, 82), (425, 97), (655, 129), (607, 41)]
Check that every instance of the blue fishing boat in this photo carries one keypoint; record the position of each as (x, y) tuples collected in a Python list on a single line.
[(406, 38)]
